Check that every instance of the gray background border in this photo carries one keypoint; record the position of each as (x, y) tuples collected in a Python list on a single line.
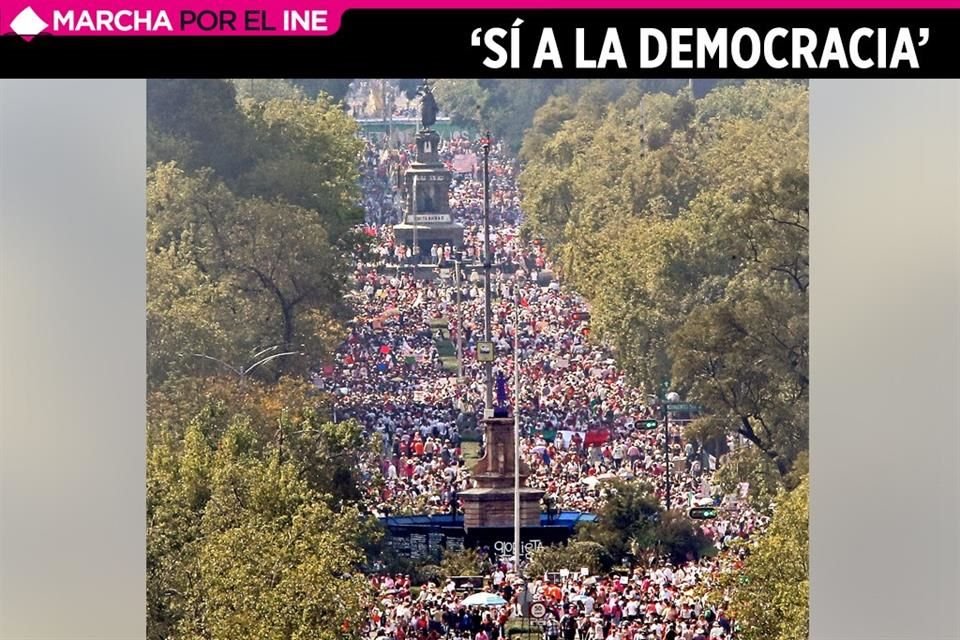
[(72, 359), (885, 359), (885, 249)]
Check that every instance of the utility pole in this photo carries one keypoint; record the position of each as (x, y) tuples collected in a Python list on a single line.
[(487, 265), (456, 266), (390, 107), (516, 431), (666, 445), (414, 214), (398, 197)]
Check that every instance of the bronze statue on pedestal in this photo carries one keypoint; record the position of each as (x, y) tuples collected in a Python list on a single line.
[(428, 106)]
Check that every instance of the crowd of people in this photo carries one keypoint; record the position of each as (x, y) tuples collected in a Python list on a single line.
[(570, 388), (579, 416), (662, 603)]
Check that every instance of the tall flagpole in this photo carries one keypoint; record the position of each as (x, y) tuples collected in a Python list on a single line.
[(516, 433), (487, 264), (414, 214)]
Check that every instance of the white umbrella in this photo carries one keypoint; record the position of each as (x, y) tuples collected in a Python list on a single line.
[(484, 599), (590, 481)]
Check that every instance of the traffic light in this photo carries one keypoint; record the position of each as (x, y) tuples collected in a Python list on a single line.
[(647, 425), (704, 513)]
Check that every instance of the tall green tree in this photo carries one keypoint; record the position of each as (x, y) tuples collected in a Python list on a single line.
[(307, 154), (198, 124), (242, 541), (685, 223), (631, 523), (463, 100), (335, 88), (269, 274), (251, 215), (265, 89), (769, 596), (289, 415)]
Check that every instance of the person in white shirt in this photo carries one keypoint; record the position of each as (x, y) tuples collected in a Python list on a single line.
[(588, 604)]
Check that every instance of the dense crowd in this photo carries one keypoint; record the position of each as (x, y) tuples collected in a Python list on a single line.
[(660, 603), (398, 386), (579, 416)]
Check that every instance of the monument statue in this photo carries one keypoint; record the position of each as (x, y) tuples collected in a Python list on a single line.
[(428, 106), (427, 218), (491, 503), (501, 390)]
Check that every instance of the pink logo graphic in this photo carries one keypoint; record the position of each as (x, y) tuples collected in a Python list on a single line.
[(28, 24)]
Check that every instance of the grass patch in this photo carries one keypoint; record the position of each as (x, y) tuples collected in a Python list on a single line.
[(446, 349), (449, 363)]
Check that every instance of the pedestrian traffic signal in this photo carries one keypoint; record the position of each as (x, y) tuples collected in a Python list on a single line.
[(704, 513), (648, 424)]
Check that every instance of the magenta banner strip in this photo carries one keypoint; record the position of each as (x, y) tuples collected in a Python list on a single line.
[(30, 18)]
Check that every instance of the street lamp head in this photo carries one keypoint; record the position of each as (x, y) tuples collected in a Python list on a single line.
[(485, 142)]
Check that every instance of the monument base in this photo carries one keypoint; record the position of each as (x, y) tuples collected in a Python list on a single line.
[(494, 507), (429, 234)]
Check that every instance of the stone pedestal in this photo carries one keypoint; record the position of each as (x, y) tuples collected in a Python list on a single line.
[(491, 504), (493, 508), (428, 218)]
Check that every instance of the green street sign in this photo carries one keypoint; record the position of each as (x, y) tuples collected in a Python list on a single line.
[(646, 425), (682, 407), (704, 513)]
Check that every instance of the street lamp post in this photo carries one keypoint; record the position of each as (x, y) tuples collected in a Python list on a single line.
[(666, 446), (456, 269), (516, 431), (487, 264), (413, 214), (665, 413)]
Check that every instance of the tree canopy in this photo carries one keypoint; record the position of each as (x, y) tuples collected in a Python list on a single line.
[(769, 594), (631, 525), (250, 210), (241, 540), (685, 223), (254, 524), (508, 108)]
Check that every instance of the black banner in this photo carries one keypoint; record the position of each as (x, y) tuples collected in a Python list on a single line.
[(505, 44)]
